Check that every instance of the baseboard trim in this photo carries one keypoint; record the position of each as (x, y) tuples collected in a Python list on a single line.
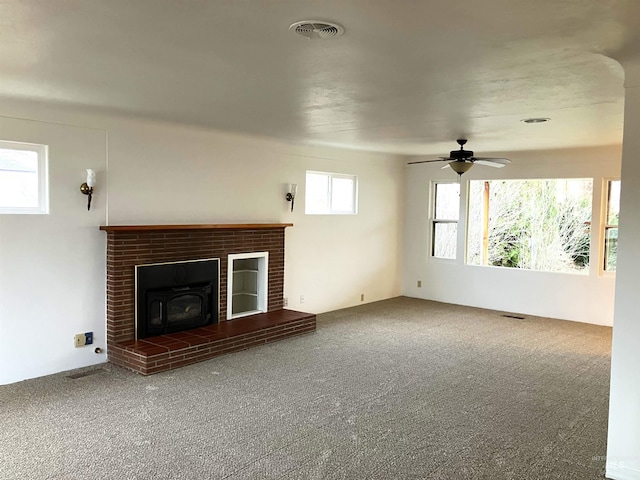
[(621, 473)]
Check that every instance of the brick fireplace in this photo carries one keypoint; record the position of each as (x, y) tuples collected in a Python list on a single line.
[(129, 246)]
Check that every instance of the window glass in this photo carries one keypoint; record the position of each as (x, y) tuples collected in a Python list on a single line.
[(317, 193), (18, 178), (445, 240), (330, 194), (611, 226), (22, 178), (342, 194), (610, 249), (613, 202), (447, 203), (530, 224), (446, 208)]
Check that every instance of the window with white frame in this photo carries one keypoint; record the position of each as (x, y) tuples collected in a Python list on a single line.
[(530, 224), (610, 225), (444, 220), (23, 178), (331, 194)]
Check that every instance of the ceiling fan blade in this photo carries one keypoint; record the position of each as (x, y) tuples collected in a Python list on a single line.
[(504, 161), (494, 162), (460, 157), (428, 161)]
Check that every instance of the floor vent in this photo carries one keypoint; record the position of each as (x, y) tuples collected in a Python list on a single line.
[(75, 376), (514, 316)]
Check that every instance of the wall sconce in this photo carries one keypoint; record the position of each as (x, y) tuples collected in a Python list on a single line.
[(87, 187), (291, 194)]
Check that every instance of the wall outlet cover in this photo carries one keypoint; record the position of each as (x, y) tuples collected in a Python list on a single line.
[(79, 339), (88, 338)]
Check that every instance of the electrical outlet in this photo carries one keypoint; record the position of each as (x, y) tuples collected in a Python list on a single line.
[(82, 339), (301, 298), (419, 283), (286, 302), (362, 297)]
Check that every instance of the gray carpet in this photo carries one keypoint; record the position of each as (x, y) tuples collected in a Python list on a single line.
[(399, 389)]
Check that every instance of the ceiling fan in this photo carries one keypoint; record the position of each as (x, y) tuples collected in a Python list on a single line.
[(462, 160)]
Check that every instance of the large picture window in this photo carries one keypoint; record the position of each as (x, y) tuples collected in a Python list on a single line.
[(331, 194), (444, 220), (610, 225), (23, 178), (530, 224)]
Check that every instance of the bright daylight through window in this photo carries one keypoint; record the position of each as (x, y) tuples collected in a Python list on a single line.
[(446, 209), (611, 225), (23, 178), (331, 194), (530, 224)]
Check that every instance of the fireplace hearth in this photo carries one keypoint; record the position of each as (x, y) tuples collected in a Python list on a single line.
[(176, 296), (131, 246)]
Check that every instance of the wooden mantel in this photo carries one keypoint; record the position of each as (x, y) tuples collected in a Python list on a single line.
[(214, 226)]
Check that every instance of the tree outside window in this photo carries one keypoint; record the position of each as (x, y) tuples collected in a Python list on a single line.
[(530, 224)]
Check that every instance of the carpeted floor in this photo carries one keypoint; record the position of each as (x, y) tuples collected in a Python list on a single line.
[(399, 389)]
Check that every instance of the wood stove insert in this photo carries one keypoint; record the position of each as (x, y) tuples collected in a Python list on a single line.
[(176, 296)]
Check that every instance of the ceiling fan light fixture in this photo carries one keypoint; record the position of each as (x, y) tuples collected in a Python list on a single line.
[(460, 167), (462, 160), (536, 120)]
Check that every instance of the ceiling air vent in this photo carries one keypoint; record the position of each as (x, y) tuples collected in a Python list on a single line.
[(317, 29)]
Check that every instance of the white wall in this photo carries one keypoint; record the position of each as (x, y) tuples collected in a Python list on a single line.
[(171, 174), (161, 173), (585, 298), (623, 444), (52, 268)]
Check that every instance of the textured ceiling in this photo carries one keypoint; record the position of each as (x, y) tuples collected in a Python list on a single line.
[(407, 77)]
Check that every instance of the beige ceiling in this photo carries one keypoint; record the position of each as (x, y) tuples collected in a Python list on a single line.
[(408, 76)]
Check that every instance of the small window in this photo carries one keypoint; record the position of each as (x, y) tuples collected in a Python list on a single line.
[(331, 194), (611, 226), (23, 178), (446, 210)]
